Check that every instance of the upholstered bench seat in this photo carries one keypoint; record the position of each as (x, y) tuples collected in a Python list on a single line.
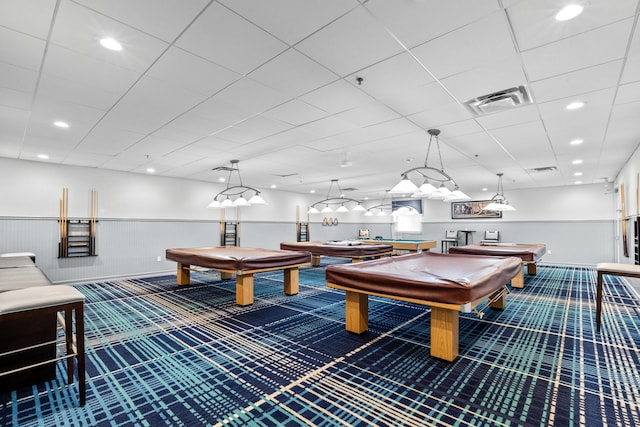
[(38, 297), (22, 305), (613, 269)]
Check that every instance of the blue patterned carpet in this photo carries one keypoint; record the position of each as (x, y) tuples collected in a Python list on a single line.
[(163, 355)]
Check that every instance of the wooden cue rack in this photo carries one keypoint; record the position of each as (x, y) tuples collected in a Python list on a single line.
[(302, 228), (77, 236)]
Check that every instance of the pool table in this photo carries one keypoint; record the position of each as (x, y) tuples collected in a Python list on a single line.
[(409, 245), (529, 253), (355, 250), (449, 284), (244, 263)]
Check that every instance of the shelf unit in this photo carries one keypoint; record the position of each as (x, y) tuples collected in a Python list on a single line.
[(229, 235), (302, 231)]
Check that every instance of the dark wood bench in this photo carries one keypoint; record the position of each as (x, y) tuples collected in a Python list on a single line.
[(612, 269)]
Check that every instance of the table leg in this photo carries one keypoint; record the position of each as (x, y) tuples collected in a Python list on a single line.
[(225, 275), (244, 289), (599, 302), (532, 268), (518, 281), (184, 275), (500, 303), (354, 260), (291, 280), (444, 333), (315, 260), (357, 312)]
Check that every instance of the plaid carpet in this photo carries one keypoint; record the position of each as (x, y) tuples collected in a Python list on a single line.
[(163, 355)]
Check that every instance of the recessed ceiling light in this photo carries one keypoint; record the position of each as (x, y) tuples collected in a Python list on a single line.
[(43, 156), (274, 186), (312, 191), (577, 174), (150, 170), (485, 189), (61, 124), (221, 179), (578, 182), (575, 105), (569, 12), (111, 44), (576, 142), (576, 162)]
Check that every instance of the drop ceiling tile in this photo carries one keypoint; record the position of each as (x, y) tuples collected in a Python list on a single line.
[(186, 70), (108, 141), (628, 93), (600, 76), (632, 66), (432, 96), (21, 50), (446, 114), (497, 76), (368, 114), (293, 74), (31, 17), (252, 129), (399, 74), (227, 39), (290, 20), (80, 29), (149, 105), (16, 99), (252, 96), (534, 23), (92, 160), (350, 50), (71, 91), (13, 123), (295, 112), (582, 51), (479, 44), (87, 71), (336, 97), (515, 116), (164, 19), (327, 126), (527, 143), (415, 22)]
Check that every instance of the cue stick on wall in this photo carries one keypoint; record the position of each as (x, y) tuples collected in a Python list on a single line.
[(92, 222), (625, 249)]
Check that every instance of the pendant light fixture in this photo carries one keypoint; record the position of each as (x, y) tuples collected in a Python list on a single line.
[(224, 198), (330, 200), (499, 202), (429, 175)]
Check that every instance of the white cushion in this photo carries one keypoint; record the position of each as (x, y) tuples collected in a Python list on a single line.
[(38, 297), (612, 268)]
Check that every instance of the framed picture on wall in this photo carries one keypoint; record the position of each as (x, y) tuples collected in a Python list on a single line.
[(472, 209)]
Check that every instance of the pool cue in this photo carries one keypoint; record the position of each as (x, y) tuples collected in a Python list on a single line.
[(92, 226), (625, 249)]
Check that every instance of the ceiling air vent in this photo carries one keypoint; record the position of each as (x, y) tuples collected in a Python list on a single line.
[(499, 101), (543, 169)]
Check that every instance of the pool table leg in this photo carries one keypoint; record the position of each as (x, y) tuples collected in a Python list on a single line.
[(183, 275), (225, 276), (357, 312), (518, 281), (315, 260), (291, 280), (444, 333), (532, 268), (244, 289)]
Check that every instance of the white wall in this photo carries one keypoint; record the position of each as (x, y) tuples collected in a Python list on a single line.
[(36, 189)]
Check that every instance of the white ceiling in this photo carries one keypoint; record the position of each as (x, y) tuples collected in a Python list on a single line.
[(274, 85)]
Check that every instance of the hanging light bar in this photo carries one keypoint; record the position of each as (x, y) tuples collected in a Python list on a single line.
[(334, 200), (223, 198), (499, 202), (430, 174)]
